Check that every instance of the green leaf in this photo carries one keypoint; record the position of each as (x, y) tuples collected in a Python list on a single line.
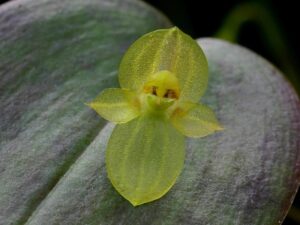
[(166, 49), (116, 105), (246, 175), (144, 158), (58, 56), (195, 120), (52, 147)]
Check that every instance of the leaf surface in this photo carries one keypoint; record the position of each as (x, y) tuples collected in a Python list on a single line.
[(60, 54), (247, 174), (54, 57)]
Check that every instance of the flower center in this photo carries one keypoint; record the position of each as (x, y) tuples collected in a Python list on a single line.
[(163, 84), (162, 90)]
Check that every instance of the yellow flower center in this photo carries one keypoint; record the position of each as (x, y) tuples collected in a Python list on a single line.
[(163, 84), (162, 90)]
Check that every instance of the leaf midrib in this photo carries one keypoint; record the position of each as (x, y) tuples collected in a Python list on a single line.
[(41, 196)]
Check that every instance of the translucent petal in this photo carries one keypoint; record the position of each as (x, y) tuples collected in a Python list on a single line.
[(166, 49), (195, 120), (144, 158), (116, 105)]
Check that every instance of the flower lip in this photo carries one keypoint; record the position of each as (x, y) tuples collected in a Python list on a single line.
[(163, 84)]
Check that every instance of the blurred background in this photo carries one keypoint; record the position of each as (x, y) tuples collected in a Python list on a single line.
[(268, 27)]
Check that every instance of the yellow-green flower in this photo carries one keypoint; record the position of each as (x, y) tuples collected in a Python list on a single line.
[(162, 77)]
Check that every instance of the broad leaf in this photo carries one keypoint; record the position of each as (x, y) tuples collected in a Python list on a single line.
[(247, 174), (54, 57), (144, 157), (166, 49), (60, 54)]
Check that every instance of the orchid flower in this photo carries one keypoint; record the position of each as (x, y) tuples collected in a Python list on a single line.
[(162, 77)]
